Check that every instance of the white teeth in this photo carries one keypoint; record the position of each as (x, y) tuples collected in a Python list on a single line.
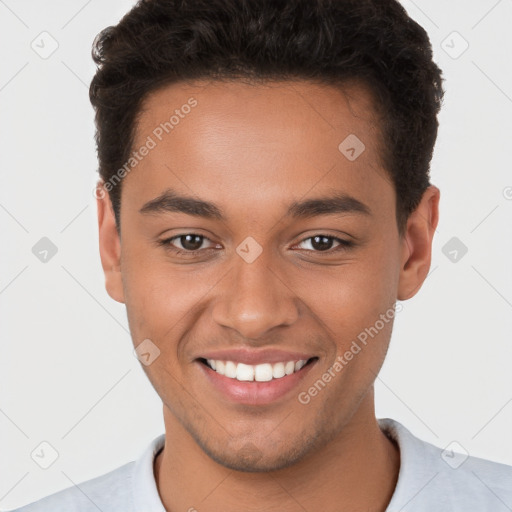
[(260, 372), (289, 367), (230, 370), (263, 372), (278, 370), (299, 365), (243, 371)]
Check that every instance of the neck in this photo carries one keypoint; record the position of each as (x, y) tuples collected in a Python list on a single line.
[(357, 470)]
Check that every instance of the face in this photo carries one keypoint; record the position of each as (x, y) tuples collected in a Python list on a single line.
[(250, 242)]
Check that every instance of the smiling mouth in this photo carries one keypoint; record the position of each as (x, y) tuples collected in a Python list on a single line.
[(263, 372)]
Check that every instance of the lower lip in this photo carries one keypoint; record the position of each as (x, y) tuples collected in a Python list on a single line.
[(252, 392)]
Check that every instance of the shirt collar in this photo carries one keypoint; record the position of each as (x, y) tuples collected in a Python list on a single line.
[(412, 462), (417, 463), (145, 491)]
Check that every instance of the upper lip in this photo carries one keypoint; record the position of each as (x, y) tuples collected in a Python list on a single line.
[(253, 357)]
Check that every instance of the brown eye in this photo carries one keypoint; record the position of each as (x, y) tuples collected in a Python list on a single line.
[(185, 243), (190, 242), (324, 243)]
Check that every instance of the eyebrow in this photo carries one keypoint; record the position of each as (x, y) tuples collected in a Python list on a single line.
[(339, 203)]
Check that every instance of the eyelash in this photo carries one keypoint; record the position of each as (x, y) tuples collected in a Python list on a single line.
[(344, 244)]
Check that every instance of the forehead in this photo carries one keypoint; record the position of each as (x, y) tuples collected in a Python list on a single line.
[(268, 142), (260, 110)]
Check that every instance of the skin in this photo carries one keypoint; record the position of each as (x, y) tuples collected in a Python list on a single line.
[(253, 150)]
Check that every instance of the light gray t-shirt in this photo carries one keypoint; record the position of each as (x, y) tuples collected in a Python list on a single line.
[(430, 480)]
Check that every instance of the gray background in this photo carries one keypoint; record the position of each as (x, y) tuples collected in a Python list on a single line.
[(68, 374)]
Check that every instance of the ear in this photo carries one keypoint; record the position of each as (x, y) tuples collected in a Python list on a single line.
[(416, 244), (110, 244)]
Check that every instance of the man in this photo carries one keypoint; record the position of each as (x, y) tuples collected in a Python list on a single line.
[(264, 203)]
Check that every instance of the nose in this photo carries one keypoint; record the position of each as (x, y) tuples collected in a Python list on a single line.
[(254, 299)]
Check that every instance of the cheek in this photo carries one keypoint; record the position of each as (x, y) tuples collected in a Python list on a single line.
[(356, 294), (160, 298), (360, 319)]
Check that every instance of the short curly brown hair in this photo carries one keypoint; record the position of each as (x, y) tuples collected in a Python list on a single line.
[(160, 42)]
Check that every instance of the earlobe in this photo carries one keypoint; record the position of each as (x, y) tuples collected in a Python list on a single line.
[(109, 244), (417, 244)]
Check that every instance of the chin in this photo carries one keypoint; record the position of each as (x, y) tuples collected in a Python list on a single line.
[(250, 458)]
